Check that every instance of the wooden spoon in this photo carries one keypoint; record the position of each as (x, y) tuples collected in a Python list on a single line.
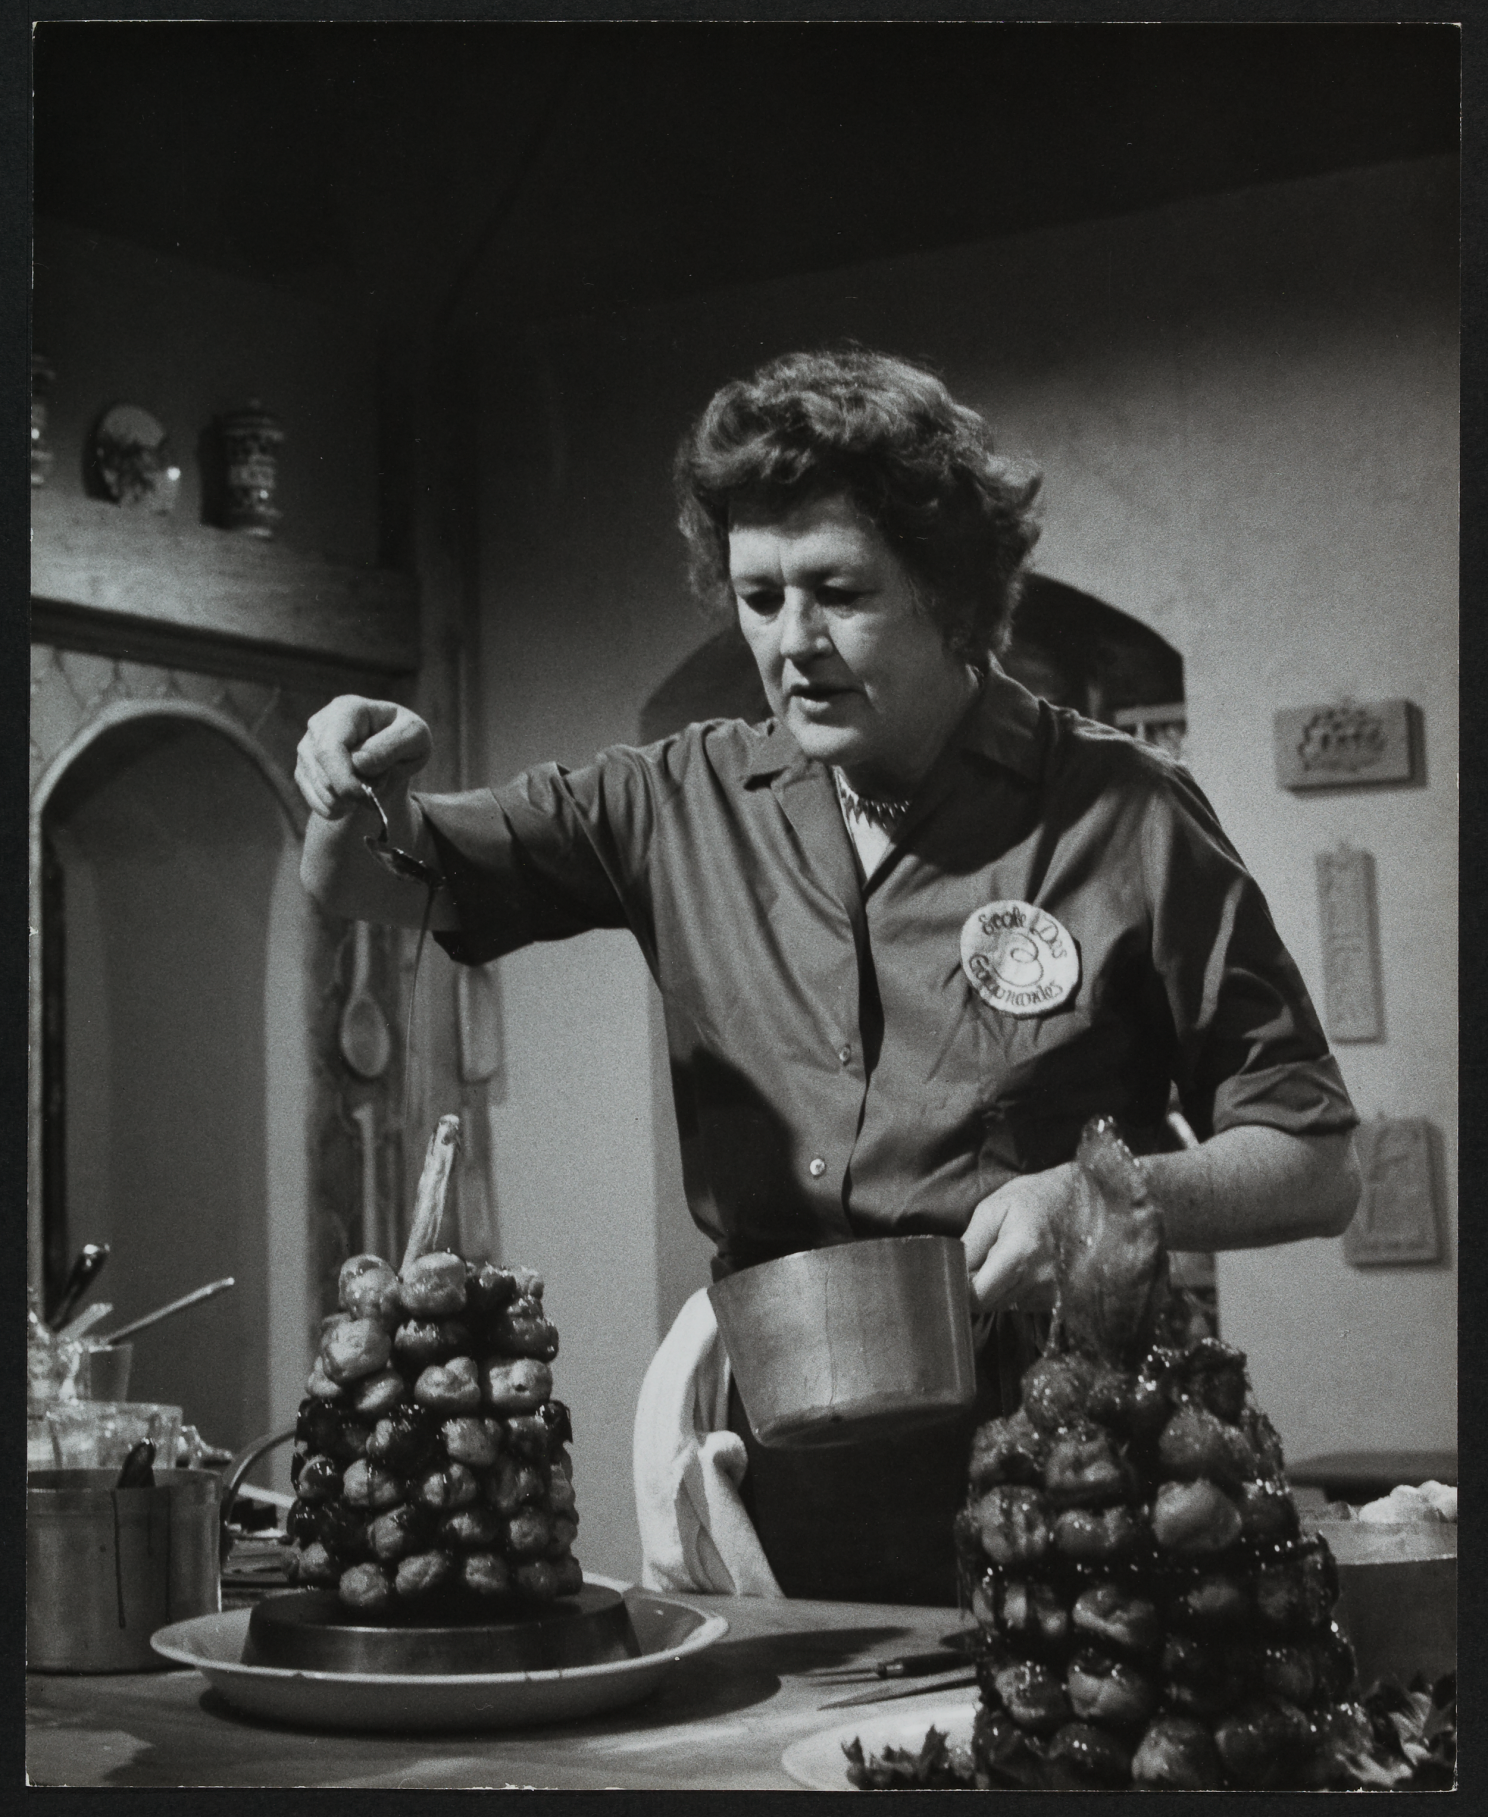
[(366, 1045)]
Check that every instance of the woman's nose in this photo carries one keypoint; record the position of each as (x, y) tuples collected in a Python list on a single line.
[(803, 632)]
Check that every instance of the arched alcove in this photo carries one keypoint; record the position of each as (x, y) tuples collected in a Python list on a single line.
[(175, 1072), (1077, 651)]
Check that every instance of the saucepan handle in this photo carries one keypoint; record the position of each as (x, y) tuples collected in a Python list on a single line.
[(239, 1468)]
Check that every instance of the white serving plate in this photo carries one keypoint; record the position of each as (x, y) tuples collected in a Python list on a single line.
[(667, 1629), (818, 1763)]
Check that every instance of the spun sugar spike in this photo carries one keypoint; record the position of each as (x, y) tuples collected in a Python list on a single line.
[(1110, 1263), (433, 1191), (1108, 1160)]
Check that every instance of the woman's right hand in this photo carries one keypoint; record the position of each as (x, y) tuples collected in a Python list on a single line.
[(353, 741)]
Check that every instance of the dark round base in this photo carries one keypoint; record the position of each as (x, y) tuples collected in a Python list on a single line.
[(310, 1631)]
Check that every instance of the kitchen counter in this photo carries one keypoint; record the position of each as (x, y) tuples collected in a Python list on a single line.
[(719, 1722)]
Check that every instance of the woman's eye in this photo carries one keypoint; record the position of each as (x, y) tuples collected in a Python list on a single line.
[(838, 596), (762, 602)]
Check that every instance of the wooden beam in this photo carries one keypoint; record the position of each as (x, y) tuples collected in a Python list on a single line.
[(130, 569)]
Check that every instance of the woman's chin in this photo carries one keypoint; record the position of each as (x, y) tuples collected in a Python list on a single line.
[(818, 737)]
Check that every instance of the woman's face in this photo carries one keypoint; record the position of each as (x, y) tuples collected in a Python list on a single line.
[(851, 663)]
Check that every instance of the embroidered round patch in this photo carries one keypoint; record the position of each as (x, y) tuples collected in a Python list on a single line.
[(1018, 958)]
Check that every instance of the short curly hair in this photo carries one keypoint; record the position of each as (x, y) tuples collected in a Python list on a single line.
[(888, 434)]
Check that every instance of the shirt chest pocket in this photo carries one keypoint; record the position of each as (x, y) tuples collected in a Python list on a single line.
[(1019, 1054), (1040, 1078), (1044, 1077)]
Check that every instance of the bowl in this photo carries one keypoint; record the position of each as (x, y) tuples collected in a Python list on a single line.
[(1397, 1596), (99, 1435), (834, 1346)]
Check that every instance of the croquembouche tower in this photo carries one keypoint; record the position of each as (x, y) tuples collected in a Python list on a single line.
[(431, 1470), (1150, 1612)]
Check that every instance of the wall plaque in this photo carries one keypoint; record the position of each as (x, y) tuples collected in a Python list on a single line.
[(1396, 1220), (1354, 998), (1354, 745)]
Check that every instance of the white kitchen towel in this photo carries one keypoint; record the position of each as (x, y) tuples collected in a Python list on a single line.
[(688, 1466)]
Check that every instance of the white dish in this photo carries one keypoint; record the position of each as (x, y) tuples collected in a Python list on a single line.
[(818, 1763), (667, 1629)]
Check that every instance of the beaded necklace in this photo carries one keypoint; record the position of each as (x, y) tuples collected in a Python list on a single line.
[(873, 810)]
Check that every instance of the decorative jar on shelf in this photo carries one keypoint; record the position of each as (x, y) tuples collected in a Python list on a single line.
[(250, 440)]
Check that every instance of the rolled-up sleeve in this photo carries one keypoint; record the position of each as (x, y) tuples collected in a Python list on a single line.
[(547, 856), (1250, 1046)]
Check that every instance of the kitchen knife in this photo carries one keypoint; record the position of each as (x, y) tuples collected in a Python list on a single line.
[(937, 1683), (904, 1665)]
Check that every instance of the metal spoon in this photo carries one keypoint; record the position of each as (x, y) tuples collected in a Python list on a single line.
[(390, 857), (164, 1312), (405, 865), (921, 1689), (85, 1321)]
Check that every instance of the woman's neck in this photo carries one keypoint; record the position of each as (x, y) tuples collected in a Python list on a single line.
[(897, 779)]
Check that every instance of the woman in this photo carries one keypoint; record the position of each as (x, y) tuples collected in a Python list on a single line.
[(910, 933)]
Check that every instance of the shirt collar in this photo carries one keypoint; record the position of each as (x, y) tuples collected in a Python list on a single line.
[(1004, 724), (771, 751)]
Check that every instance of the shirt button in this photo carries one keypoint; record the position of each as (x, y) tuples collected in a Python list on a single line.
[(844, 1054), (817, 1168)]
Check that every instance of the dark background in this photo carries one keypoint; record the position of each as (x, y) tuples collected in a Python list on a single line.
[(601, 165)]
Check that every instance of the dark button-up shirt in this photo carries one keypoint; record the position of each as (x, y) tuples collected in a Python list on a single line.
[(835, 1073)]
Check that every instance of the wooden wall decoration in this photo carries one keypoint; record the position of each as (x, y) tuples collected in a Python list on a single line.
[(1396, 1221), (1353, 993), (1353, 745)]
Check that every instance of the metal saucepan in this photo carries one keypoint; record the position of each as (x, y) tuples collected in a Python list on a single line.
[(832, 1346), (1397, 1596)]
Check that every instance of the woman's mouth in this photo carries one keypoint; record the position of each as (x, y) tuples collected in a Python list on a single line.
[(825, 704), (816, 694)]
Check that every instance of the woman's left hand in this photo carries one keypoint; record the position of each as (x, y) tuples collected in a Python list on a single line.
[(1010, 1241)]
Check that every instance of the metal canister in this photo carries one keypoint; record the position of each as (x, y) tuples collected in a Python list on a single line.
[(250, 440), (107, 1567)]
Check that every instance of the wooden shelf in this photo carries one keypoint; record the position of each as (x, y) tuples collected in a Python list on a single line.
[(123, 575)]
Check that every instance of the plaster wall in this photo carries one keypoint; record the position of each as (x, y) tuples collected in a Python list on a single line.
[(1245, 408)]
